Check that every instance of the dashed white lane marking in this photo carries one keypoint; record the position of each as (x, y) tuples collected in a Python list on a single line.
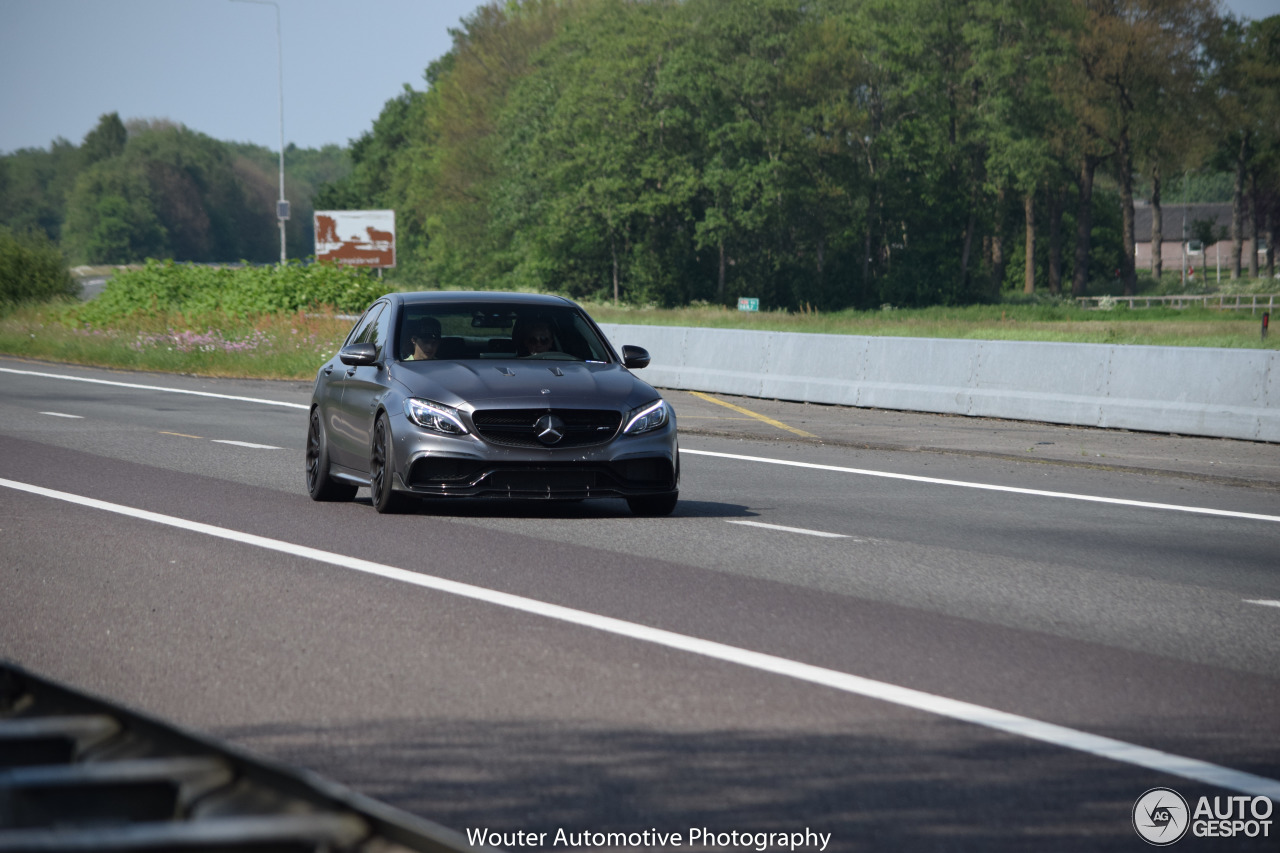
[(915, 478), (136, 386), (248, 444), (803, 530), (245, 444), (1061, 736), (1265, 602)]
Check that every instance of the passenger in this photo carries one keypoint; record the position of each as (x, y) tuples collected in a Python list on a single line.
[(536, 337), (425, 337)]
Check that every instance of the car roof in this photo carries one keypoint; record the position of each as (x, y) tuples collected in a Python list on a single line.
[(482, 297)]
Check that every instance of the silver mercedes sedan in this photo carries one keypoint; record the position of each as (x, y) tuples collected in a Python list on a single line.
[(506, 395)]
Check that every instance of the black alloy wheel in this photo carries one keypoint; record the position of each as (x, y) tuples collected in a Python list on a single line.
[(385, 499), (320, 485)]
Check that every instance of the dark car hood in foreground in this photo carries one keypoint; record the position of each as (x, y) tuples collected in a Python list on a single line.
[(519, 382)]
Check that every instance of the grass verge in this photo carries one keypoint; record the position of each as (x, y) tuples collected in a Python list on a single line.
[(1064, 323), (267, 346)]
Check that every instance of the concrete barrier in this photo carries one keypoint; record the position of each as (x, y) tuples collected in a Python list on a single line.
[(1224, 393)]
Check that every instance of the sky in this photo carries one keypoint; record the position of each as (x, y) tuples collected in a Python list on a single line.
[(212, 64)]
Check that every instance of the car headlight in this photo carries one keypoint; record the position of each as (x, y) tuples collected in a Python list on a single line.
[(434, 417), (646, 418)]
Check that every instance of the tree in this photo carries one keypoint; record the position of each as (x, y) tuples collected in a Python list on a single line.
[(368, 182), (729, 76), (585, 158), (1172, 133), (1017, 46), (1129, 50), (31, 269), (194, 191), (911, 182), (33, 187), (110, 217), (174, 192), (105, 141), (827, 115), (818, 152), (1246, 75), (256, 168), (445, 174)]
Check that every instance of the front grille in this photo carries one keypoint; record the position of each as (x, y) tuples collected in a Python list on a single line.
[(520, 428)]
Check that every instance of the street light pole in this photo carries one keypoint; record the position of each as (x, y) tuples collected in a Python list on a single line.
[(282, 206), (1184, 230)]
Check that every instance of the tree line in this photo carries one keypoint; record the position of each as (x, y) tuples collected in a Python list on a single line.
[(824, 153), (156, 189)]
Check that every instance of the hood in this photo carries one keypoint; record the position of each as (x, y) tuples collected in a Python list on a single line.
[(519, 383)]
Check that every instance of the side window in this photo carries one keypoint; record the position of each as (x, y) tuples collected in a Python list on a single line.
[(583, 342), (382, 330), (363, 331)]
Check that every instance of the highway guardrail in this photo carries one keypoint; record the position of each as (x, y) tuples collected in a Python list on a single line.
[(1225, 393), (80, 773)]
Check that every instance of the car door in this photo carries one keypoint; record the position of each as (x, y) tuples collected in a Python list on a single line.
[(363, 388), (348, 442), (328, 393)]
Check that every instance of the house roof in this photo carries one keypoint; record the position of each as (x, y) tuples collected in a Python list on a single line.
[(1220, 214)]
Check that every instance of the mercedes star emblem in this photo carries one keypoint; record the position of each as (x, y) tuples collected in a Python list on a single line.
[(549, 429)]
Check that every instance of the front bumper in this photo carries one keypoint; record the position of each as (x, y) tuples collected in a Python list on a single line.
[(467, 466)]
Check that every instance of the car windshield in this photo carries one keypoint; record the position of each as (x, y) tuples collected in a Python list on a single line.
[(455, 331)]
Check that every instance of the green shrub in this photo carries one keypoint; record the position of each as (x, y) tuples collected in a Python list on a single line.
[(31, 269), (240, 292)]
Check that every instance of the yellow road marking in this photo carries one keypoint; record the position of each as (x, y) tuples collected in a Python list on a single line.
[(180, 434), (756, 415), (711, 418)]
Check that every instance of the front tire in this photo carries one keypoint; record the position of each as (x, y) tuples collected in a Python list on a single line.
[(653, 506), (320, 485), (381, 470)]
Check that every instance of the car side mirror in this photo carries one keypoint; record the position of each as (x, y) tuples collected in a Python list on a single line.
[(358, 354), (635, 357)]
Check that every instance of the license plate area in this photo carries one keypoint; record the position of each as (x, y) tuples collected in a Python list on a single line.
[(541, 481)]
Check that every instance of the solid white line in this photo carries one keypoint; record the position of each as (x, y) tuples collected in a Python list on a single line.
[(245, 444), (1265, 602), (1115, 750), (787, 529), (990, 487), (62, 415), (154, 388)]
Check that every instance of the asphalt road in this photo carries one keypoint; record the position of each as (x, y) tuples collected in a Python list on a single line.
[(1043, 623)]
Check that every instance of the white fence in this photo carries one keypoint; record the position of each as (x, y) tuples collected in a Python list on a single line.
[(1187, 390), (1254, 302)]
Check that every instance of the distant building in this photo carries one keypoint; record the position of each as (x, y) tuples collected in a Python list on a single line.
[(1200, 257)]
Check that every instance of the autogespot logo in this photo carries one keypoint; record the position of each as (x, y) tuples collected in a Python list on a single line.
[(1160, 816)]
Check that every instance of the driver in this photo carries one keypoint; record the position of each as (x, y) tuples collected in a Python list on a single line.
[(425, 337), (536, 337)]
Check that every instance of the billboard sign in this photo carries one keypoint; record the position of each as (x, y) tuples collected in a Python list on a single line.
[(357, 238)]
